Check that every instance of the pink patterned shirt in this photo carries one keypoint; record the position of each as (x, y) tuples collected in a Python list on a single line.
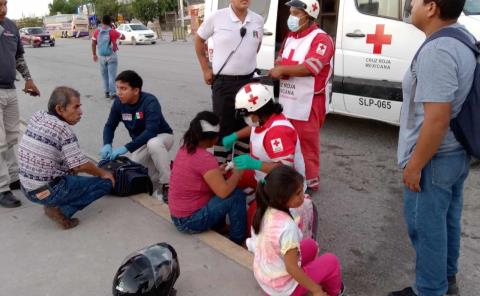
[(278, 234)]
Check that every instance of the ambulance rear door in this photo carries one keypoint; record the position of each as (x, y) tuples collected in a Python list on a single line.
[(375, 47)]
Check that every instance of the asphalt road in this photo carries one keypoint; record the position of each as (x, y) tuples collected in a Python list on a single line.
[(360, 200)]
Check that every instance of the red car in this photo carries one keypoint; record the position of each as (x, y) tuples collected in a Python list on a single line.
[(36, 37)]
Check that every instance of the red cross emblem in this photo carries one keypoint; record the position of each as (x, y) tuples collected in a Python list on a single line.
[(290, 61), (248, 90), (379, 39), (314, 7), (276, 143)]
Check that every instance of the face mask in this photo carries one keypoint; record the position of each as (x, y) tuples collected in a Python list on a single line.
[(293, 23), (248, 120)]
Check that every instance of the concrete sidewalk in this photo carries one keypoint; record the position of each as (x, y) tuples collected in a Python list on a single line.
[(38, 258)]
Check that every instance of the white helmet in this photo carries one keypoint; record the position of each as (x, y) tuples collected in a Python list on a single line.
[(311, 7), (252, 97)]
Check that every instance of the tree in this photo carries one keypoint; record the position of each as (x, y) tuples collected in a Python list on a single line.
[(126, 10), (106, 7), (65, 6), (29, 22), (146, 10)]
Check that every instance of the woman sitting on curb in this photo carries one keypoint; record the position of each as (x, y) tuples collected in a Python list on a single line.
[(200, 197)]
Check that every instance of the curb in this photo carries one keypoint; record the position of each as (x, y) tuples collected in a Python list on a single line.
[(211, 238)]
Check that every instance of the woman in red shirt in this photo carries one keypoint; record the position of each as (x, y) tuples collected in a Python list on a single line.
[(200, 197)]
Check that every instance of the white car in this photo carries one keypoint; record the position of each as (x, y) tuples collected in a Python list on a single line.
[(137, 34)]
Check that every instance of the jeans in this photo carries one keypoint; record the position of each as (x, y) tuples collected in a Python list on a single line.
[(214, 213), (72, 193), (9, 124), (433, 218), (108, 68)]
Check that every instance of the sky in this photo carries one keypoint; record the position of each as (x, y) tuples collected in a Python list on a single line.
[(27, 7)]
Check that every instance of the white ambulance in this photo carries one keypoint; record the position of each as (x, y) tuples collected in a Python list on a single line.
[(374, 47)]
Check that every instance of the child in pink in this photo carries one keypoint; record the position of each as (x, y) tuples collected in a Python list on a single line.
[(284, 264)]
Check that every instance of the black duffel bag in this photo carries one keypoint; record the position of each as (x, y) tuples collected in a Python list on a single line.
[(130, 177)]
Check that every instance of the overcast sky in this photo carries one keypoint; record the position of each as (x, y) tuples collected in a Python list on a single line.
[(27, 7)]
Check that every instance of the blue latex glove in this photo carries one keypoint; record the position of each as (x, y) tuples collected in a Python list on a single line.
[(117, 152), (228, 141), (246, 162), (106, 151)]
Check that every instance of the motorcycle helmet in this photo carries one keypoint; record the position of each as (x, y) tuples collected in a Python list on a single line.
[(151, 271)]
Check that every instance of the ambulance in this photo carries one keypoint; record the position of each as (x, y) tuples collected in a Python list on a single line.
[(374, 46)]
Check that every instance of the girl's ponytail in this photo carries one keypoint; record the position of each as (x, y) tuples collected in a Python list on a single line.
[(262, 200)]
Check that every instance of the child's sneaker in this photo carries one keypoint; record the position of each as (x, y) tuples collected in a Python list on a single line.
[(165, 188), (405, 292), (342, 291), (313, 184)]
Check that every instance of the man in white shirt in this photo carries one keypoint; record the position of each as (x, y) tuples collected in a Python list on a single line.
[(236, 34)]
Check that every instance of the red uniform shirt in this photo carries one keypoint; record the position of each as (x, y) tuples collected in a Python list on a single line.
[(318, 58)]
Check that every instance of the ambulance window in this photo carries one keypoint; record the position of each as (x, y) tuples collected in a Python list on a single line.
[(472, 7), (382, 8), (259, 6)]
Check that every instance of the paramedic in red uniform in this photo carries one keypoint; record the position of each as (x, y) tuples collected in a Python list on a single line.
[(304, 68), (273, 139)]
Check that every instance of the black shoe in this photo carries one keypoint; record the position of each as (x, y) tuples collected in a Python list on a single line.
[(8, 200), (405, 292), (107, 95), (452, 286), (15, 185), (165, 188)]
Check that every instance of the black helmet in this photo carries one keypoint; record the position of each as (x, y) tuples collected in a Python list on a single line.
[(151, 271)]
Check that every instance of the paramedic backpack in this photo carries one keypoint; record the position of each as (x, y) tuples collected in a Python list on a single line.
[(130, 177), (466, 126), (104, 42)]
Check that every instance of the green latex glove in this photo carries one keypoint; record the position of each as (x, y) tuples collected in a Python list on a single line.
[(228, 141), (246, 162)]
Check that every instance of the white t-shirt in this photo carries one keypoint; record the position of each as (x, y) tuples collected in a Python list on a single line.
[(223, 26)]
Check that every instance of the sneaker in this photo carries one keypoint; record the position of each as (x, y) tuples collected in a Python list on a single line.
[(56, 215), (165, 188), (313, 184), (342, 291), (452, 286), (8, 200), (405, 292), (15, 185)]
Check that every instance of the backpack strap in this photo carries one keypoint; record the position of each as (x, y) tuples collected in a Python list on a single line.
[(445, 32)]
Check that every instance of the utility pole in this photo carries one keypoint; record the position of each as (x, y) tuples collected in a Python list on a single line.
[(181, 13)]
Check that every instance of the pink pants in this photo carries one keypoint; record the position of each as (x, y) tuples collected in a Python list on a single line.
[(309, 134), (323, 270)]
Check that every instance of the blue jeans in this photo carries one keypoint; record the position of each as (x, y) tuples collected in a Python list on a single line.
[(433, 218), (108, 68), (72, 193), (215, 212)]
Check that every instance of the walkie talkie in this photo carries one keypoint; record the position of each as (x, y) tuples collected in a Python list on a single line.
[(243, 31)]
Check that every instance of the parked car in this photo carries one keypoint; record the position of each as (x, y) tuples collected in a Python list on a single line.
[(36, 37), (137, 33)]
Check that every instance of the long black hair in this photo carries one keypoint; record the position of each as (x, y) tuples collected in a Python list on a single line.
[(194, 134), (269, 108), (275, 191)]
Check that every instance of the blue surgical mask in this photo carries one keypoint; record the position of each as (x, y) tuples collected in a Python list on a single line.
[(293, 23)]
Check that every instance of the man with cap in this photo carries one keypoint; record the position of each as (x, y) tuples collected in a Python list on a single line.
[(304, 66), (236, 33)]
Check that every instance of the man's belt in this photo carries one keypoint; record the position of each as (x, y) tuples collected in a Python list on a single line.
[(234, 77)]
